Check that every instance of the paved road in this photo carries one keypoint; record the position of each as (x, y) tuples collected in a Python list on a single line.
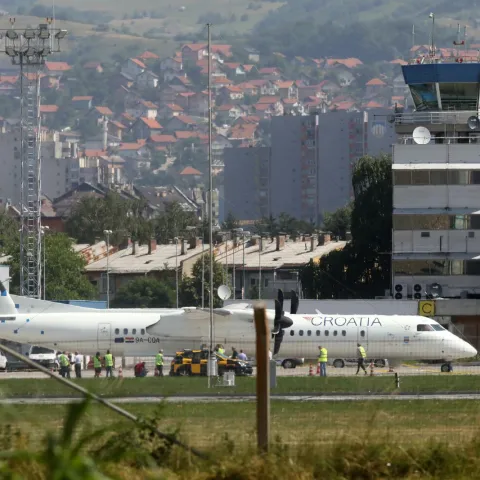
[(239, 399), (294, 372)]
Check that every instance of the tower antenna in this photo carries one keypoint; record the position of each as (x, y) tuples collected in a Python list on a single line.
[(432, 36)]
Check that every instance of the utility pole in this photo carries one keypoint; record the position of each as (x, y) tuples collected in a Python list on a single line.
[(107, 234), (28, 48), (210, 202)]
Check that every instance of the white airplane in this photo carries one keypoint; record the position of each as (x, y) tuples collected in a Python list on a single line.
[(142, 332)]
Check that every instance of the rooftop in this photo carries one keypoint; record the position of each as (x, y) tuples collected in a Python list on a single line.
[(164, 257), (292, 254)]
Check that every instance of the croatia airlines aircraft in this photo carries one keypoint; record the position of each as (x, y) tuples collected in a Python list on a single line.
[(142, 332)]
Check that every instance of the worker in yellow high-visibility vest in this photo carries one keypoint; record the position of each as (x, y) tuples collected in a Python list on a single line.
[(97, 364), (64, 365), (108, 364), (322, 360), (159, 363), (362, 356)]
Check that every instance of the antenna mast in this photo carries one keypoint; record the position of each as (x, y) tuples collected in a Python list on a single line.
[(210, 197), (432, 48), (413, 36)]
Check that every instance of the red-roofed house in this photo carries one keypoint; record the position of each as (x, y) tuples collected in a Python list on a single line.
[(398, 61), (172, 63), (57, 68), (348, 106), (181, 122), (96, 66), (166, 141), (373, 104), (147, 79), (268, 110), (143, 108), (243, 133), (100, 113), (148, 56), (47, 112), (170, 110), (145, 127), (287, 89), (269, 100), (374, 87), (191, 172), (116, 128), (229, 112), (82, 102), (132, 68), (233, 70), (231, 94), (192, 52), (270, 73), (292, 106), (346, 62)]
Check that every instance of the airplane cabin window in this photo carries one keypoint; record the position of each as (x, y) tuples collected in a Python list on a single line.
[(142, 331), (117, 331), (438, 328), (300, 333), (326, 333), (335, 333), (344, 333), (125, 331), (424, 328), (292, 333), (134, 331), (309, 333), (318, 333), (362, 333)]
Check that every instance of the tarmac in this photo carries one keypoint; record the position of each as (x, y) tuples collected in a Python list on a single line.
[(244, 398)]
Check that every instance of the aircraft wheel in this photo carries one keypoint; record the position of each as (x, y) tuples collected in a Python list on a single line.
[(338, 363), (445, 367), (380, 363), (288, 364)]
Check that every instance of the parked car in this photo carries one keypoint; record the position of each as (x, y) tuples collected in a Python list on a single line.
[(290, 362), (352, 362), (3, 362)]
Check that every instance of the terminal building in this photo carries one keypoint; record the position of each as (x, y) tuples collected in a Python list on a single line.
[(436, 192)]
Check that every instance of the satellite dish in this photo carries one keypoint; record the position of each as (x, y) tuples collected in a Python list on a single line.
[(473, 122), (421, 136), (391, 119), (224, 292), (434, 290)]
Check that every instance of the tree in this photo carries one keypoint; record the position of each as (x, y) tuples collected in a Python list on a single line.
[(231, 223), (190, 291), (338, 222), (174, 223), (145, 293), (362, 268), (64, 269)]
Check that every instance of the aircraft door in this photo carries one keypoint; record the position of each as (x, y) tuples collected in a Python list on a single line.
[(104, 336)]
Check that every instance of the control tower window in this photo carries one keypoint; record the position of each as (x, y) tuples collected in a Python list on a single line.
[(459, 96), (425, 96)]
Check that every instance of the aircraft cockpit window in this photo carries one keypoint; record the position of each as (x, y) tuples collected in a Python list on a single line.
[(142, 331), (318, 333), (117, 331), (125, 331), (424, 328), (300, 333), (344, 333), (309, 333), (292, 333), (327, 333), (134, 331), (437, 328), (7, 319), (362, 333)]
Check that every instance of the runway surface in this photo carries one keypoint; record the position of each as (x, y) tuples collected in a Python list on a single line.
[(240, 399), (404, 370)]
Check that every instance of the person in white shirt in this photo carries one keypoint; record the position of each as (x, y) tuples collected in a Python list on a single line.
[(78, 365)]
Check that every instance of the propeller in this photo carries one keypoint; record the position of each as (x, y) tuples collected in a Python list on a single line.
[(281, 321)]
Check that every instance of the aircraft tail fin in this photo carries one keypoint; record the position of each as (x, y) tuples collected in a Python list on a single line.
[(7, 305)]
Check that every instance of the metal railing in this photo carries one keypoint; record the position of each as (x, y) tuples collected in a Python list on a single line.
[(439, 118)]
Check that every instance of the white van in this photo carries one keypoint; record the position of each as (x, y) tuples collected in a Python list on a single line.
[(3, 362), (44, 356)]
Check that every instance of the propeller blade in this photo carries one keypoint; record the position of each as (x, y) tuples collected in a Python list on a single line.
[(294, 303), (278, 311), (278, 342), (280, 299)]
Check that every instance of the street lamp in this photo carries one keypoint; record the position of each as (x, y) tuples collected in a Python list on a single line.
[(107, 233), (259, 237), (176, 267), (44, 229)]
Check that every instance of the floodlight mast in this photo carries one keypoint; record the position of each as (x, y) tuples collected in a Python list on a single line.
[(28, 48)]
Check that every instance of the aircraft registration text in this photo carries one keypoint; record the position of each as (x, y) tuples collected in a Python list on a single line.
[(147, 340)]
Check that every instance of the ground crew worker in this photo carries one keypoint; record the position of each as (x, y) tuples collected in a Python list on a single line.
[(159, 363), (64, 365), (234, 353), (108, 364), (78, 365), (221, 350), (97, 364), (322, 360), (362, 355)]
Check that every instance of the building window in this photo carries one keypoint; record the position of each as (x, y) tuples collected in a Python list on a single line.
[(436, 268)]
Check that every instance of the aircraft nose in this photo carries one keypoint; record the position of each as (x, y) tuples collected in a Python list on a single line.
[(470, 351)]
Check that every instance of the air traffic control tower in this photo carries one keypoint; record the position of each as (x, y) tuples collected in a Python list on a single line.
[(436, 178)]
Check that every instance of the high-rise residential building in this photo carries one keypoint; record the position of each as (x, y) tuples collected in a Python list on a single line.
[(307, 170), (436, 175)]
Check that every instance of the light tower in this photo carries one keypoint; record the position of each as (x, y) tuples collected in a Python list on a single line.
[(28, 48)]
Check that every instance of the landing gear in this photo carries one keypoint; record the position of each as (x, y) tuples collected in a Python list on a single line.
[(446, 367)]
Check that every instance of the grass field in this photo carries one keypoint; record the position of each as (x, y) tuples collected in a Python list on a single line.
[(171, 386), (300, 423)]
